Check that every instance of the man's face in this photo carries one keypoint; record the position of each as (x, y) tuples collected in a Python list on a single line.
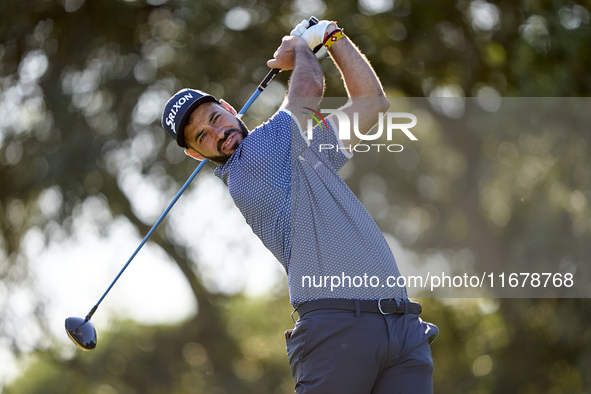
[(214, 133)]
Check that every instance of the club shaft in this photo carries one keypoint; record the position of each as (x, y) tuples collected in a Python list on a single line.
[(174, 200), (250, 101), (254, 96)]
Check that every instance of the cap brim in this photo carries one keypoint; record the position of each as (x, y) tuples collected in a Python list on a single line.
[(180, 135)]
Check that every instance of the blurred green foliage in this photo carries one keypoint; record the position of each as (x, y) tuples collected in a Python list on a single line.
[(82, 84)]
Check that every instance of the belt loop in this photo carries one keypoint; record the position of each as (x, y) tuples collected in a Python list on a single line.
[(357, 309), (398, 304), (405, 307)]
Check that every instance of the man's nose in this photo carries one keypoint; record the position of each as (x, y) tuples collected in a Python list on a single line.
[(215, 132)]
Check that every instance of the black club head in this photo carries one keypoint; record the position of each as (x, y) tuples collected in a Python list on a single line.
[(82, 332)]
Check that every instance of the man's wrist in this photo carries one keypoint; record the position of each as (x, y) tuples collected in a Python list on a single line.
[(333, 37), (299, 42), (301, 46)]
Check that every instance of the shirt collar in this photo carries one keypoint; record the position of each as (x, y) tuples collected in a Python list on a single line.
[(222, 171)]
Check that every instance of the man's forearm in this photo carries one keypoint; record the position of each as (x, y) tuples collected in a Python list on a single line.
[(307, 79), (358, 75), (367, 98), (306, 85)]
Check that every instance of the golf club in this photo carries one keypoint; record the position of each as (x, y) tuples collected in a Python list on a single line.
[(81, 331)]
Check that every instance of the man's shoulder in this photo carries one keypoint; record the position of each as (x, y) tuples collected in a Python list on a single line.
[(259, 135), (278, 119), (273, 130)]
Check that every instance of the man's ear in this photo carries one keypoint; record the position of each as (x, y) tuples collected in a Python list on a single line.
[(228, 107), (193, 153)]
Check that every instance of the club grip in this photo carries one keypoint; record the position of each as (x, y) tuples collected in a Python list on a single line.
[(271, 74), (311, 22)]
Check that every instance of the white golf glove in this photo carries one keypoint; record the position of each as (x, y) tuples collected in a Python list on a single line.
[(314, 35)]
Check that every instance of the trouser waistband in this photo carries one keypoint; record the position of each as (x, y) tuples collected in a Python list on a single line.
[(385, 306)]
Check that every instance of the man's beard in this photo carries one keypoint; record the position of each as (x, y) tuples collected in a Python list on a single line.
[(222, 158)]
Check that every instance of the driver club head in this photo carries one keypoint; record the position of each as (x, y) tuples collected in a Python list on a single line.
[(82, 332)]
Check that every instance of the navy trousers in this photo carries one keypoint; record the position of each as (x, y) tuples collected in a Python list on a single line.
[(333, 351)]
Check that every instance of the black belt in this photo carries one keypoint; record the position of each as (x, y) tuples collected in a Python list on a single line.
[(385, 306)]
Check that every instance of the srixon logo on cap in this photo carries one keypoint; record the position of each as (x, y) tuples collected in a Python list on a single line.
[(175, 110)]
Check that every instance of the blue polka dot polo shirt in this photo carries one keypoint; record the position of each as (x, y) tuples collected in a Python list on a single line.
[(292, 197)]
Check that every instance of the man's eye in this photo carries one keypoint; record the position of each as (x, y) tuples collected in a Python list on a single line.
[(201, 137)]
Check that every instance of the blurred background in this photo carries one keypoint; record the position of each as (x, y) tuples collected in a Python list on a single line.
[(85, 170)]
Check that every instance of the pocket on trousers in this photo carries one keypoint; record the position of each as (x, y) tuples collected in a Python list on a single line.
[(295, 347)]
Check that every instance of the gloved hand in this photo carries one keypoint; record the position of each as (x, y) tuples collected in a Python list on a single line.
[(314, 35)]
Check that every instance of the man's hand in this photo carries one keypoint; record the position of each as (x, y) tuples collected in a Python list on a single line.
[(316, 34), (284, 56)]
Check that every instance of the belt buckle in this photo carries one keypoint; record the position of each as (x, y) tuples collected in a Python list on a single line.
[(396, 300), (380, 305)]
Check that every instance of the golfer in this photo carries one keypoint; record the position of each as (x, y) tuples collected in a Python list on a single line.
[(355, 334)]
